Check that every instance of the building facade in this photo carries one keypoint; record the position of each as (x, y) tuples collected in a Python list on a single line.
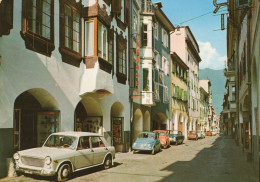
[(204, 86), (179, 94), (186, 46), (64, 67), (160, 116)]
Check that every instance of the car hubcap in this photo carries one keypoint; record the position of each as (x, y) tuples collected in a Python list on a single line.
[(65, 172)]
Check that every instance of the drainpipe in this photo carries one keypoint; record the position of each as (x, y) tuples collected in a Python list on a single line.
[(131, 67)]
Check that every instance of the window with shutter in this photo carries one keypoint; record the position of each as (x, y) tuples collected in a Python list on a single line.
[(145, 79), (116, 6)]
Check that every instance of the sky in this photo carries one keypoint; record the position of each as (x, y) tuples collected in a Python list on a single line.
[(212, 43)]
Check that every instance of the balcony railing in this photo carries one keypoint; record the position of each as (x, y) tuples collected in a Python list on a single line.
[(147, 98), (147, 6)]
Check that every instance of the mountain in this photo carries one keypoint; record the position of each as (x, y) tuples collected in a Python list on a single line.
[(218, 81)]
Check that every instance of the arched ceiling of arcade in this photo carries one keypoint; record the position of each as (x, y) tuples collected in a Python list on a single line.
[(92, 106), (44, 98)]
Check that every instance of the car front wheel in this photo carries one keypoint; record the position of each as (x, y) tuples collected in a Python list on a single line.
[(64, 172), (107, 162), (153, 151)]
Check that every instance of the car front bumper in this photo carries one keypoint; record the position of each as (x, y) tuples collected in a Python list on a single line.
[(35, 170)]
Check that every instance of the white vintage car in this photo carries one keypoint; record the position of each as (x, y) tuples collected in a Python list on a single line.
[(64, 153)]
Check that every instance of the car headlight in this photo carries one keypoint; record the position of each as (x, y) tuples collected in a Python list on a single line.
[(48, 160), (134, 144), (16, 156)]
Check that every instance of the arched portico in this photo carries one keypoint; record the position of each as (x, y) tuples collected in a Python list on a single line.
[(36, 115)]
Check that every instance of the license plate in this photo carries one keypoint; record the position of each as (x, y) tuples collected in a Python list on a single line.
[(28, 172)]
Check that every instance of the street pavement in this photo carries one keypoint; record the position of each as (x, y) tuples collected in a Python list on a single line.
[(213, 159)]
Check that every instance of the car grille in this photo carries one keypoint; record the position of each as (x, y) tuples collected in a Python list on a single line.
[(31, 161)]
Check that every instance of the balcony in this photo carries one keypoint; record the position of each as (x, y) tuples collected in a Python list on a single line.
[(148, 99), (97, 77)]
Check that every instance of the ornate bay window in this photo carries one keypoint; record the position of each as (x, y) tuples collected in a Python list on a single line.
[(99, 45), (38, 25), (121, 59), (70, 32)]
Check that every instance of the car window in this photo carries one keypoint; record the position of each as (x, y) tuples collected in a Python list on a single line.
[(174, 132), (61, 141), (162, 134), (180, 133), (96, 142), (83, 143)]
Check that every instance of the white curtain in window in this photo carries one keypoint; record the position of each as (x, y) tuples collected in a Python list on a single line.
[(89, 38)]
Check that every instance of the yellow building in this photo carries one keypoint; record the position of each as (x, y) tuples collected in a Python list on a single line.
[(179, 94)]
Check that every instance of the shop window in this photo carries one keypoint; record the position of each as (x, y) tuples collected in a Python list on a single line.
[(70, 32), (38, 25), (121, 59)]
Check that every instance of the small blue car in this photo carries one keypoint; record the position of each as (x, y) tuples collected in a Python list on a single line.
[(147, 141)]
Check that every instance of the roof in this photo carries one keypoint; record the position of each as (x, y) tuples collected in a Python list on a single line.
[(77, 133), (163, 18)]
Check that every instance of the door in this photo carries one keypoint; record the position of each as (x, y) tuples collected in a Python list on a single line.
[(84, 155), (117, 129), (99, 149)]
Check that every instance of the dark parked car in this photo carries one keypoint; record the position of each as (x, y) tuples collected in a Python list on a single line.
[(176, 137)]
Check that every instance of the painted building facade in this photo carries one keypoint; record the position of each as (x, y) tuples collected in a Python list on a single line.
[(179, 94), (160, 116), (186, 46), (64, 67)]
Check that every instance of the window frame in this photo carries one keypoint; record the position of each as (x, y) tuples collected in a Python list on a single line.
[(68, 54), (33, 40), (121, 76)]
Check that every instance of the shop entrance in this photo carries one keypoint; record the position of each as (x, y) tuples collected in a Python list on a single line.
[(32, 123), (160, 122)]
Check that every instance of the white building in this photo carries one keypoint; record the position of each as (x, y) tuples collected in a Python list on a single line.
[(63, 67), (186, 46)]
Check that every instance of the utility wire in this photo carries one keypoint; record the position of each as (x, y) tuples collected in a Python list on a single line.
[(210, 12)]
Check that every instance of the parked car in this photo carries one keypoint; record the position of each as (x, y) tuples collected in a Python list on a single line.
[(214, 133), (208, 133), (147, 141), (193, 135), (164, 138), (201, 134), (176, 137), (64, 153)]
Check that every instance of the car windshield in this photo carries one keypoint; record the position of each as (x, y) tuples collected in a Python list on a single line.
[(192, 132), (175, 132), (61, 141), (146, 135), (162, 134), (199, 132)]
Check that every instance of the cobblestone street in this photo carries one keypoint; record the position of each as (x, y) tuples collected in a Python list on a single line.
[(215, 158)]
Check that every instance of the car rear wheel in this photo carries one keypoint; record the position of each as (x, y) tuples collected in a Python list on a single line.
[(108, 162), (64, 172)]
